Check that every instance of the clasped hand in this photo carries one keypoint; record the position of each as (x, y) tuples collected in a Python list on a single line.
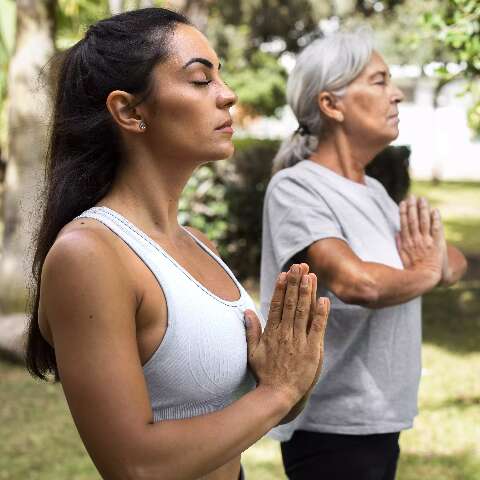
[(421, 240), (288, 355)]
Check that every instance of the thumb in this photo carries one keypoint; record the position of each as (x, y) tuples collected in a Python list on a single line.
[(254, 330)]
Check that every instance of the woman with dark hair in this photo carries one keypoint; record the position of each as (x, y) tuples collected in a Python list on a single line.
[(144, 325)]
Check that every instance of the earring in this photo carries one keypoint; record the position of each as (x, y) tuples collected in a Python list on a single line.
[(142, 125)]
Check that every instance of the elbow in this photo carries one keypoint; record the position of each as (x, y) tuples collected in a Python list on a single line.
[(166, 468), (359, 290), (129, 468), (456, 273)]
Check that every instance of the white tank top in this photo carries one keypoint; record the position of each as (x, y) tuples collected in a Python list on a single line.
[(201, 363)]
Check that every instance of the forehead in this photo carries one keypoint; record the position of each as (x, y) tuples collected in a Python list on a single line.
[(375, 65), (187, 42)]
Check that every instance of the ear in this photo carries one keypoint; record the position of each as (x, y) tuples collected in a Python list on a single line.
[(125, 114), (330, 106)]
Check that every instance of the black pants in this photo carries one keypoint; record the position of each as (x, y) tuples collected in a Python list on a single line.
[(327, 456)]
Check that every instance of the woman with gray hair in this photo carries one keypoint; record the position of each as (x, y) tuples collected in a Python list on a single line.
[(373, 260)]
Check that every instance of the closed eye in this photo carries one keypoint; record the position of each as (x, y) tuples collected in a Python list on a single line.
[(201, 83)]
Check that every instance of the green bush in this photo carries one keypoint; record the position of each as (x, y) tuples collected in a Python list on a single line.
[(225, 201)]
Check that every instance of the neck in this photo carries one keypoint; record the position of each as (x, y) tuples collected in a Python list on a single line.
[(147, 189), (345, 156)]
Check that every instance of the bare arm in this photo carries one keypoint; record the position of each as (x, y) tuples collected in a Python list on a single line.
[(90, 305), (369, 284), (421, 246)]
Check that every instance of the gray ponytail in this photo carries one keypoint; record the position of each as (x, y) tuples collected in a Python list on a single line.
[(327, 64)]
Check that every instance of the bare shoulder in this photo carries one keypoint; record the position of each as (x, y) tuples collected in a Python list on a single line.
[(79, 246), (204, 239), (84, 267)]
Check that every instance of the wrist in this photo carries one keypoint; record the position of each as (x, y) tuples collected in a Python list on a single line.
[(433, 276), (281, 399)]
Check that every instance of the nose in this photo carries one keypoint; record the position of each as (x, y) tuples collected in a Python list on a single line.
[(397, 95), (226, 97)]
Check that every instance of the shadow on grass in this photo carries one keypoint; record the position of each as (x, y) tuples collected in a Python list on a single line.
[(462, 466), (451, 318), (460, 403)]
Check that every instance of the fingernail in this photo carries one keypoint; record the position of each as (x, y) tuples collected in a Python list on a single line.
[(281, 277), (294, 269), (304, 280)]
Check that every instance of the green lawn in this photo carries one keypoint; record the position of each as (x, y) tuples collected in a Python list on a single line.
[(39, 442)]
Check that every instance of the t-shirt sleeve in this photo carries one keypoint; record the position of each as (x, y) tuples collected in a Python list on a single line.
[(298, 216)]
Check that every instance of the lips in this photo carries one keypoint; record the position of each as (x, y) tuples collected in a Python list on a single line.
[(226, 124)]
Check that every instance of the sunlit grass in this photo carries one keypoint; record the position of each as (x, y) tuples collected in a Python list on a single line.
[(38, 440)]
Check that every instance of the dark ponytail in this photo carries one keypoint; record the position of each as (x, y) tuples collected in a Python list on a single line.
[(84, 151)]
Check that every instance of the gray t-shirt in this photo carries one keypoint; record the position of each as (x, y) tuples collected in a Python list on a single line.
[(372, 363)]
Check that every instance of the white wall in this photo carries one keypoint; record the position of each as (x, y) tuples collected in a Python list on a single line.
[(441, 142)]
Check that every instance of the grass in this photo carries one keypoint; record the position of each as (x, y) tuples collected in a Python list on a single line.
[(39, 442)]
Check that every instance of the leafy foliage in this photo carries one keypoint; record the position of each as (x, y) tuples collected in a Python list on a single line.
[(270, 19), (7, 39), (260, 86), (455, 26), (73, 18), (256, 76)]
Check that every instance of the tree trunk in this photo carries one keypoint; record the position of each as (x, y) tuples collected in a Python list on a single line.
[(28, 89), (195, 10), (116, 6)]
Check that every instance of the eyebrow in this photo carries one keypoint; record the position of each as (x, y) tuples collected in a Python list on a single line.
[(385, 74), (201, 60)]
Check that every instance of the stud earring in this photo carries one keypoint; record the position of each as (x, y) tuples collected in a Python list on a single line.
[(142, 125)]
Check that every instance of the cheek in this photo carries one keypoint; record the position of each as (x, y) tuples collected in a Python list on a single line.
[(185, 124), (367, 109), (181, 113)]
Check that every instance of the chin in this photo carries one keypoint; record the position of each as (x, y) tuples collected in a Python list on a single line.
[(391, 135), (395, 136), (223, 153)]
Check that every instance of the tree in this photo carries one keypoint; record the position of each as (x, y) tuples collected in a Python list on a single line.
[(456, 28), (34, 46), (7, 37)]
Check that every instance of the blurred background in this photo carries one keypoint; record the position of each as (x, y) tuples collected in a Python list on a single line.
[(433, 49)]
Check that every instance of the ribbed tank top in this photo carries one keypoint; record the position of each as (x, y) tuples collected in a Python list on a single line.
[(201, 364)]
